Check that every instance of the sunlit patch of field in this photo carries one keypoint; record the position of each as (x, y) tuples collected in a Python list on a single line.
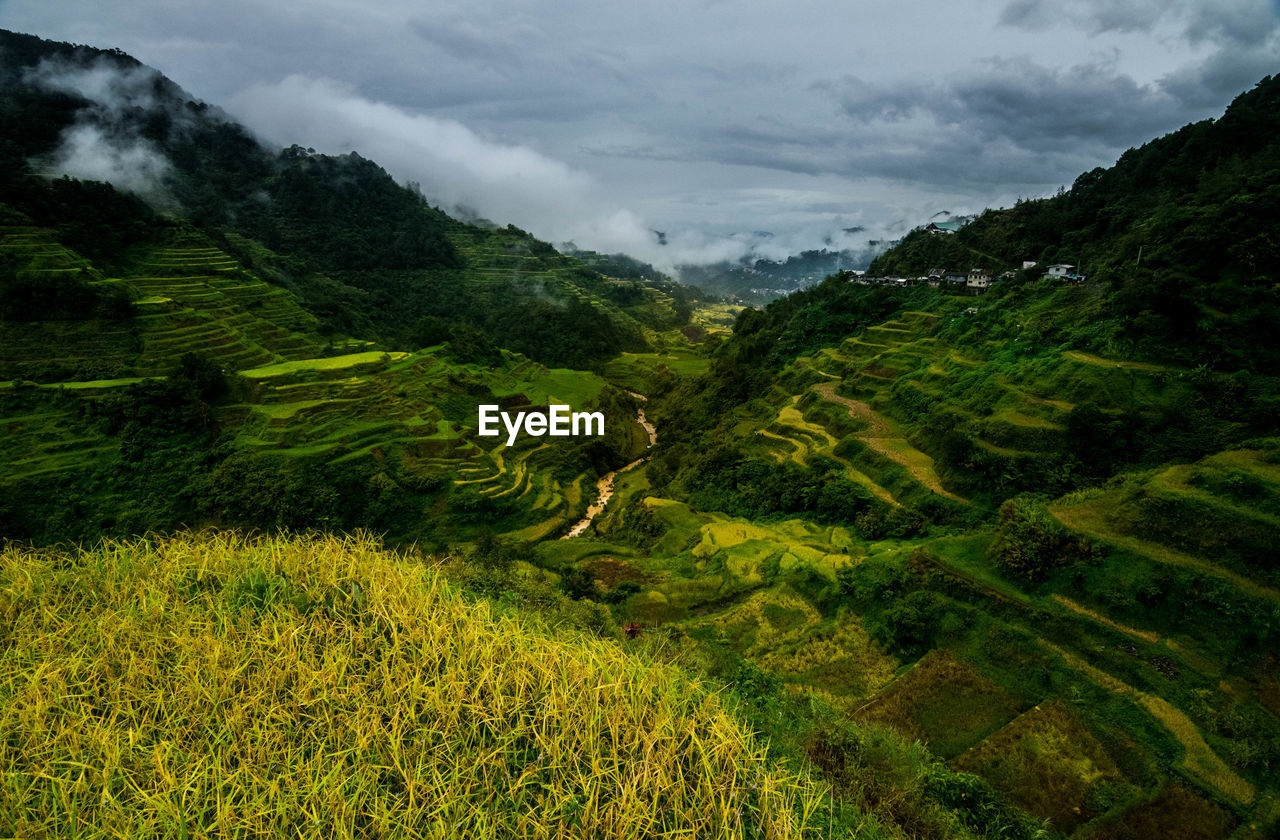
[(332, 363), (883, 437), (782, 632)]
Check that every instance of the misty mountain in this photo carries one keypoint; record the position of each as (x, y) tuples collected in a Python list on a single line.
[(367, 256), (760, 280)]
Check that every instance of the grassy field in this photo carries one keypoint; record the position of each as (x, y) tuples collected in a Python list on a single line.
[(317, 687)]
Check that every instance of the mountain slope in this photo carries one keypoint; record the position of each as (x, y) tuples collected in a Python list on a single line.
[(235, 348), (1030, 531), (1177, 240), (1029, 527), (365, 255)]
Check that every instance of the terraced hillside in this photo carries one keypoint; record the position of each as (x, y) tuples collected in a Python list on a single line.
[(184, 297), (1095, 659), (294, 399), (509, 258), (299, 405), (995, 566), (405, 420)]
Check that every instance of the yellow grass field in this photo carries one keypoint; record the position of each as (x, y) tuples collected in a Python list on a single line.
[(214, 685)]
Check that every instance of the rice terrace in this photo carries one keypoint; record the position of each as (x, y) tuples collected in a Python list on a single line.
[(335, 503)]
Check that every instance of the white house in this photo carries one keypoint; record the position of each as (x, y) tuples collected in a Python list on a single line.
[(1058, 272)]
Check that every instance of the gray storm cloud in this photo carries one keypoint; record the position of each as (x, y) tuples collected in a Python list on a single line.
[(709, 120), (1246, 22), (456, 167), (470, 174)]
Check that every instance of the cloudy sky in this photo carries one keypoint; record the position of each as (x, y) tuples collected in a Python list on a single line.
[(707, 119)]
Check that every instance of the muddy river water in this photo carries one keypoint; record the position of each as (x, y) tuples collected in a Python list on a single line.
[(604, 487)]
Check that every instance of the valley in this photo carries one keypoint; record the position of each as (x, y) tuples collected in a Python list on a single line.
[(871, 561)]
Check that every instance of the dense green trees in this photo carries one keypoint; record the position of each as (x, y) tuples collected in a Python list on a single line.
[(1180, 233)]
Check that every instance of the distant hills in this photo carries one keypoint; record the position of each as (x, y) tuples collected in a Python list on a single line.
[(758, 280)]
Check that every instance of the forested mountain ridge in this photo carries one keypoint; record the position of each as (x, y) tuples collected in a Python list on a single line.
[(367, 256), (1177, 240)]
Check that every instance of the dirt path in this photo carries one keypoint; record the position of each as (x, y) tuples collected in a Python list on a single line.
[(1098, 361), (882, 438), (1079, 609)]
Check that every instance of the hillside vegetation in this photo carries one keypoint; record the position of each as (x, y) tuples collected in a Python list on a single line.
[(215, 686), (1031, 528), (281, 339), (1177, 239), (363, 254)]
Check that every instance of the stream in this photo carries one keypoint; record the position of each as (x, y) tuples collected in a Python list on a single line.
[(604, 487)]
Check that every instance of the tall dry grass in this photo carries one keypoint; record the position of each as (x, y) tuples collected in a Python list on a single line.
[(213, 685)]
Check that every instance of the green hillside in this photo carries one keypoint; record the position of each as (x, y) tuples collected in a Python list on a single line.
[(1032, 528), (1177, 240), (285, 339), (968, 566)]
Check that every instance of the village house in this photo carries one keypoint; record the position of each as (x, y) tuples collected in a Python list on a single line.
[(978, 280), (944, 227), (1065, 272)]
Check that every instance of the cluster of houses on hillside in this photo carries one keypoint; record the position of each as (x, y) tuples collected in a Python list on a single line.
[(974, 281)]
